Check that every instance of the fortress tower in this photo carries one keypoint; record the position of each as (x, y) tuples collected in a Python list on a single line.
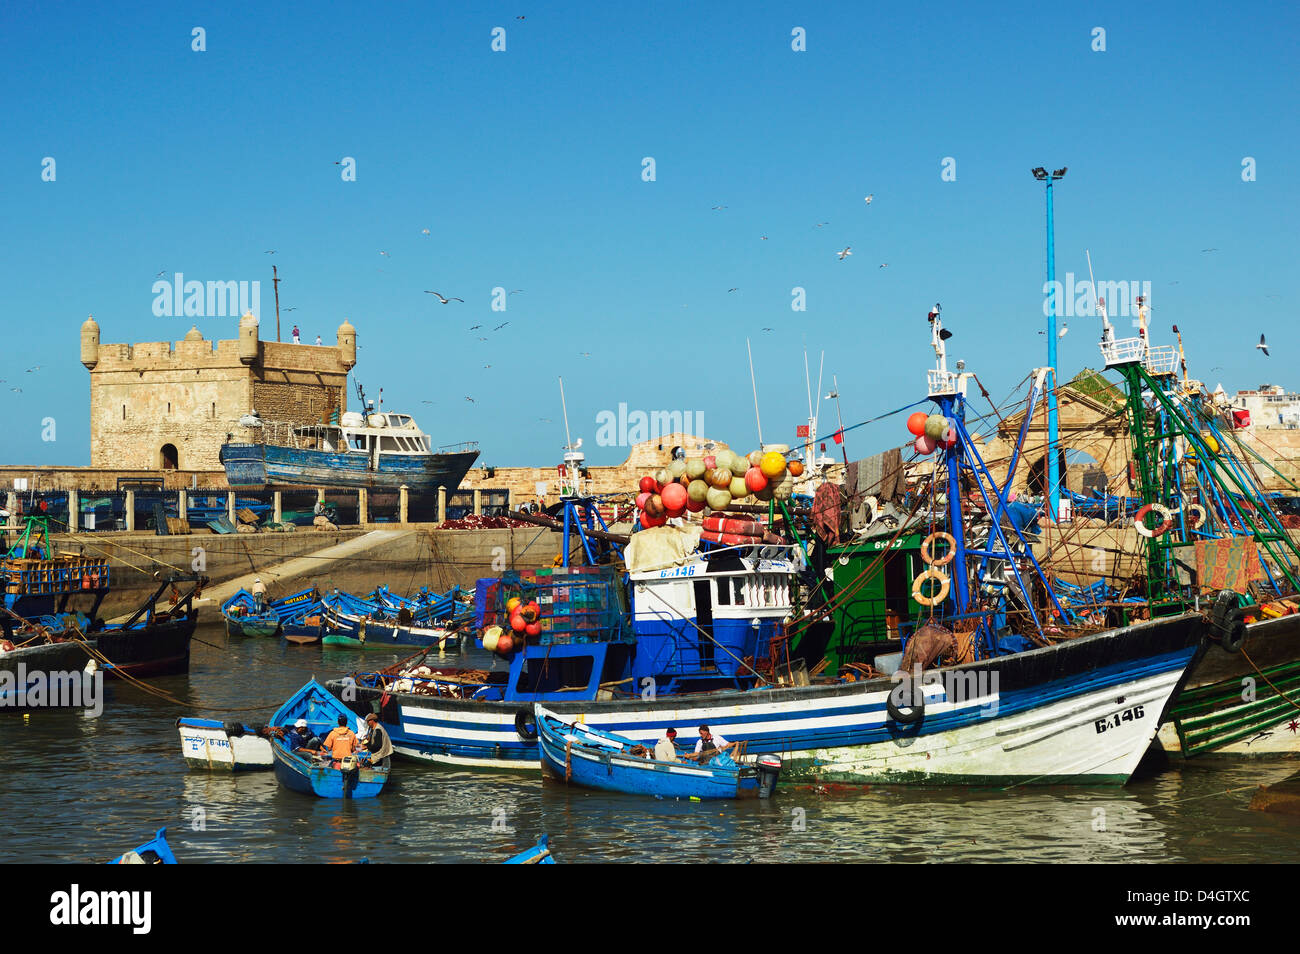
[(164, 405)]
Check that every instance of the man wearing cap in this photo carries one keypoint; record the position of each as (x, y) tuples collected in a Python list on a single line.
[(376, 739), (300, 737), (259, 594)]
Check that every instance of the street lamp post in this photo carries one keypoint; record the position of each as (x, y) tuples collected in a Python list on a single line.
[(1053, 489)]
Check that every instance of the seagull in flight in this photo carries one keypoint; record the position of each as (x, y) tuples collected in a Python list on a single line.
[(516, 291), (884, 264), (36, 367), (767, 329), (844, 254), (1262, 346), (475, 327), (482, 339), (730, 290), (762, 238), (444, 300), (584, 354), (500, 326), (424, 231), (1209, 250), (270, 251), (294, 308), (384, 253), (161, 274), (470, 399), (820, 224), (426, 402), (718, 208), (19, 390), (869, 198)]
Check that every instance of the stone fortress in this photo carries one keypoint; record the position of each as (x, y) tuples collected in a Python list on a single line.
[(164, 406)]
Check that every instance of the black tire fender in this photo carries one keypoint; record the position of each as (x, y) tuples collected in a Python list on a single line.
[(525, 726), (905, 714)]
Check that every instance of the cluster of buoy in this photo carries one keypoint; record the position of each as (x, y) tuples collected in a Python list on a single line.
[(716, 482), (932, 431), (525, 620)]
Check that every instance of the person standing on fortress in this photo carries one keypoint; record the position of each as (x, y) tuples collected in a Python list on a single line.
[(318, 341), (296, 339)]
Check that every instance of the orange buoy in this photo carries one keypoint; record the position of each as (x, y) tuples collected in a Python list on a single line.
[(674, 497), (916, 423), (795, 467), (755, 480)]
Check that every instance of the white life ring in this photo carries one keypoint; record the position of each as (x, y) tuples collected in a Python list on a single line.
[(918, 587), (1164, 513), (1195, 515)]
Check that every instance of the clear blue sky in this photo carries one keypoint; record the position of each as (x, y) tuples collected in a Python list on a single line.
[(525, 165)]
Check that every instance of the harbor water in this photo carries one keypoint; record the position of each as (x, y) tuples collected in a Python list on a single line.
[(82, 788)]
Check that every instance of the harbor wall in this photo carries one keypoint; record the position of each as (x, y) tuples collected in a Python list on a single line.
[(402, 557)]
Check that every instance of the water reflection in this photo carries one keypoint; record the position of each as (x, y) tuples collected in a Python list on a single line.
[(99, 786)]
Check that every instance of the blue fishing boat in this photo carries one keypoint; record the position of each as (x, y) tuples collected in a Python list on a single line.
[(296, 617), (375, 451), (539, 854), (156, 851), (302, 771), (580, 755)]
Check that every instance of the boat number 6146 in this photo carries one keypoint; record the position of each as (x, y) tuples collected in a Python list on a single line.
[(1113, 722)]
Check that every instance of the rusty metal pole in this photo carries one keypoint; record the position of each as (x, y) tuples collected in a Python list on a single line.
[(275, 282)]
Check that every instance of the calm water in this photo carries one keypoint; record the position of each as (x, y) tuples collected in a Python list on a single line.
[(85, 789)]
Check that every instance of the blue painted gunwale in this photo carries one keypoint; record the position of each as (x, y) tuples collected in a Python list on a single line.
[(314, 703), (158, 845), (539, 854), (582, 756)]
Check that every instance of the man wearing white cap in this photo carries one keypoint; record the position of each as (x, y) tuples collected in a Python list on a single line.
[(300, 737), (259, 594)]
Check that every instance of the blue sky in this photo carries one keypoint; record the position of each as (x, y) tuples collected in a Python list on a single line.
[(525, 165)]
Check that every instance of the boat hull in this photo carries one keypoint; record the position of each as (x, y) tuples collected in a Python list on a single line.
[(1236, 703), (310, 778), (272, 467), (1024, 720), (352, 632), (252, 626), (208, 744), (610, 771)]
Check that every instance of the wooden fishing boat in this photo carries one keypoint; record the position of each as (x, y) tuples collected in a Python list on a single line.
[(353, 630), (156, 851), (227, 746), (539, 854), (302, 771), (580, 755)]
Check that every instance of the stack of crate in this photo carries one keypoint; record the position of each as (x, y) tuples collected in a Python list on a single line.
[(578, 604)]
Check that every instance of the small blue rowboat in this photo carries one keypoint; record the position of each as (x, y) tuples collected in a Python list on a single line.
[(539, 854), (155, 852), (302, 771), (580, 755)]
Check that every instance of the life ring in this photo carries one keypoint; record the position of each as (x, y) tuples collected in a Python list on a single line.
[(1195, 514), (523, 718), (906, 714), (927, 551), (1163, 512), (918, 588)]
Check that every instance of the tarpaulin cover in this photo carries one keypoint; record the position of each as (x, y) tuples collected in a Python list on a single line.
[(661, 547)]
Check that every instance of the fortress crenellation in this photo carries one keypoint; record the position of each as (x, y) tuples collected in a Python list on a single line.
[(170, 405)]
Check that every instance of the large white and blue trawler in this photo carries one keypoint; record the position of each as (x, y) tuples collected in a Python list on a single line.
[(698, 639), (375, 451)]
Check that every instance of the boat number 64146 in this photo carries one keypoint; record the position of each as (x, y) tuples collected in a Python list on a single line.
[(1114, 721)]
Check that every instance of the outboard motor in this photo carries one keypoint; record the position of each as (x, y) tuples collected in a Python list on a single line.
[(769, 767)]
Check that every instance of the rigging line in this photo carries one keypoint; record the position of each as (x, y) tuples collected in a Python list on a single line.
[(121, 546)]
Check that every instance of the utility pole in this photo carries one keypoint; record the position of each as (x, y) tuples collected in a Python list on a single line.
[(1053, 489)]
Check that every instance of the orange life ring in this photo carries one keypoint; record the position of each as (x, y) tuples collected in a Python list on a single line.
[(927, 548), (1163, 512), (918, 587)]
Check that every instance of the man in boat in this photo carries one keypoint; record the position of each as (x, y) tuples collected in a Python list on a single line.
[(378, 745), (666, 748), (301, 737), (259, 594), (341, 742), (708, 745)]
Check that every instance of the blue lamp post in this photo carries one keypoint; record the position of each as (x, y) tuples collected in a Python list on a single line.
[(1053, 488)]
